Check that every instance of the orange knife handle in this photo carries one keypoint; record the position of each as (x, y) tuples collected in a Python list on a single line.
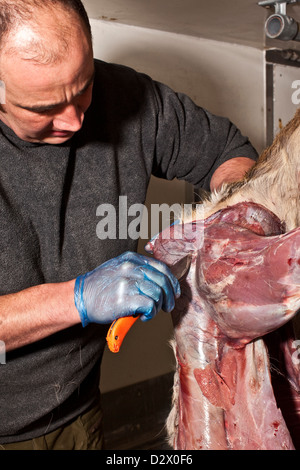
[(117, 332)]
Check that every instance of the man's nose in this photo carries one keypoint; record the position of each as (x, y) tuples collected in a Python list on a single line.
[(70, 119)]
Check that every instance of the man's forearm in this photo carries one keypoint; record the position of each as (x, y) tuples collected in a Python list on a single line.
[(36, 312), (231, 170)]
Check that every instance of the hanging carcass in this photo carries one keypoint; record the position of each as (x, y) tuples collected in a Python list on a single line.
[(237, 380)]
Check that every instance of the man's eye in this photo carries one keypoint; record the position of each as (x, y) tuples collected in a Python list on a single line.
[(43, 110)]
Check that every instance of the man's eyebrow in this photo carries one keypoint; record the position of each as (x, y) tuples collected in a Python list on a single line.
[(49, 107)]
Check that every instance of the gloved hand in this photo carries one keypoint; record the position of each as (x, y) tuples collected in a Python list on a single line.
[(127, 285)]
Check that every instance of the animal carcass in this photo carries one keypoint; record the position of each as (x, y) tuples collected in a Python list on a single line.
[(237, 380)]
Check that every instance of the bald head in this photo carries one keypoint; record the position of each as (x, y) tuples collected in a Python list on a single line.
[(41, 31), (47, 66)]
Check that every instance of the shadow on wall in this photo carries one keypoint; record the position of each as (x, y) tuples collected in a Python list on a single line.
[(177, 70), (175, 67)]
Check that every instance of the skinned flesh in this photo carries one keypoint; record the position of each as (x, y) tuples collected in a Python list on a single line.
[(240, 289)]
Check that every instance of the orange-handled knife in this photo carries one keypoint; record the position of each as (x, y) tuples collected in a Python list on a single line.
[(120, 327), (117, 332)]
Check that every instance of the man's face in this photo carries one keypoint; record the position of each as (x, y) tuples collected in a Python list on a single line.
[(47, 103)]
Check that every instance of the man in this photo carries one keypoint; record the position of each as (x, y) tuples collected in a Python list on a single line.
[(76, 133)]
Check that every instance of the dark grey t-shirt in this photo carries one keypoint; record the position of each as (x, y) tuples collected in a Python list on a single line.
[(49, 196)]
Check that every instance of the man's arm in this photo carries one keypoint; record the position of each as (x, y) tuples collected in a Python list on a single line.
[(193, 144), (36, 312), (229, 171), (129, 284)]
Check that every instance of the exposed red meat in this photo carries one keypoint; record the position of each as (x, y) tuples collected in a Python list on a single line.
[(240, 284)]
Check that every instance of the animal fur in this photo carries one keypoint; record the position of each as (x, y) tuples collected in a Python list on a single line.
[(272, 182)]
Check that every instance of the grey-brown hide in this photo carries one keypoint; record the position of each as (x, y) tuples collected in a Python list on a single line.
[(273, 182)]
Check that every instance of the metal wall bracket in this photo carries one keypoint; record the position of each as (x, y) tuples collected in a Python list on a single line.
[(279, 25)]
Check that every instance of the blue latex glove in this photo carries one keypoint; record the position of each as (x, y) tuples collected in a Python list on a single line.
[(130, 284)]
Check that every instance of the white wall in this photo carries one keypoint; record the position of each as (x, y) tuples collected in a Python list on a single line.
[(234, 21)]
